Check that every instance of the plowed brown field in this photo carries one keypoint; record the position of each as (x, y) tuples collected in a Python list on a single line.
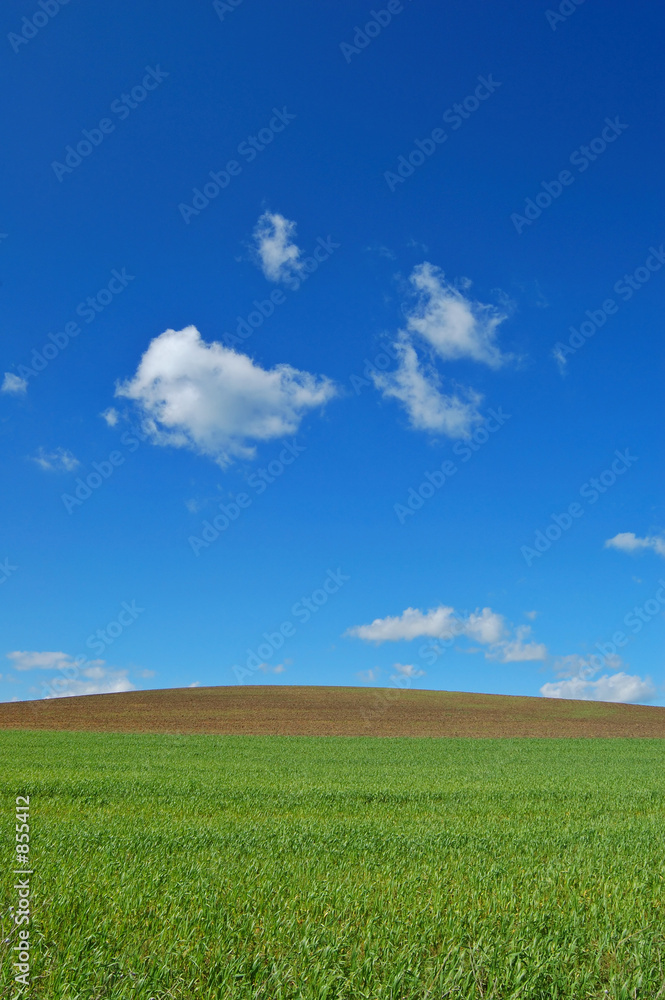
[(332, 711)]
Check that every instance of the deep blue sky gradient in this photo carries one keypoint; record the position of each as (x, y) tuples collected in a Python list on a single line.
[(334, 507)]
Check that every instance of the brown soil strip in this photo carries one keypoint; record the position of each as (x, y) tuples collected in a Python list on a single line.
[(332, 711)]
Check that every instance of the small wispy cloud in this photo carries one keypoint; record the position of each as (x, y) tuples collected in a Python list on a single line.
[(111, 416), (276, 250), (627, 541), (406, 670), (60, 460), (368, 676), (265, 668), (33, 660), (442, 324), (561, 360), (14, 384)]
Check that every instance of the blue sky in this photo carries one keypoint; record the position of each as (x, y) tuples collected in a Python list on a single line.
[(331, 347)]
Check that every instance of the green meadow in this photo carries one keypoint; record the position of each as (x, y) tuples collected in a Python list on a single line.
[(329, 868)]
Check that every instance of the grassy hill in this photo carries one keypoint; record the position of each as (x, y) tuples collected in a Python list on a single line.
[(333, 711)]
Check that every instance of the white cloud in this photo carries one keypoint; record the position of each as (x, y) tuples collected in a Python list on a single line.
[(411, 624), (416, 385), (147, 674), (215, 401), (30, 660), (452, 324), (407, 670), (438, 623), (531, 615), (518, 650), (111, 416), (194, 684), (627, 541), (277, 253), (485, 626), (93, 680), (14, 384), (448, 325), (619, 687), (59, 460)]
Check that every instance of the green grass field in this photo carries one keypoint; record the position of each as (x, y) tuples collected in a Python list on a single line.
[(295, 867)]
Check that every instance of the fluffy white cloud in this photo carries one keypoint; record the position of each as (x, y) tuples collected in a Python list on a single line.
[(627, 541), (416, 385), (59, 460), (484, 626), (438, 623), (94, 677), (452, 324), (519, 649), (215, 401), (411, 624), (445, 324), (276, 251), (194, 684), (14, 384), (620, 687)]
